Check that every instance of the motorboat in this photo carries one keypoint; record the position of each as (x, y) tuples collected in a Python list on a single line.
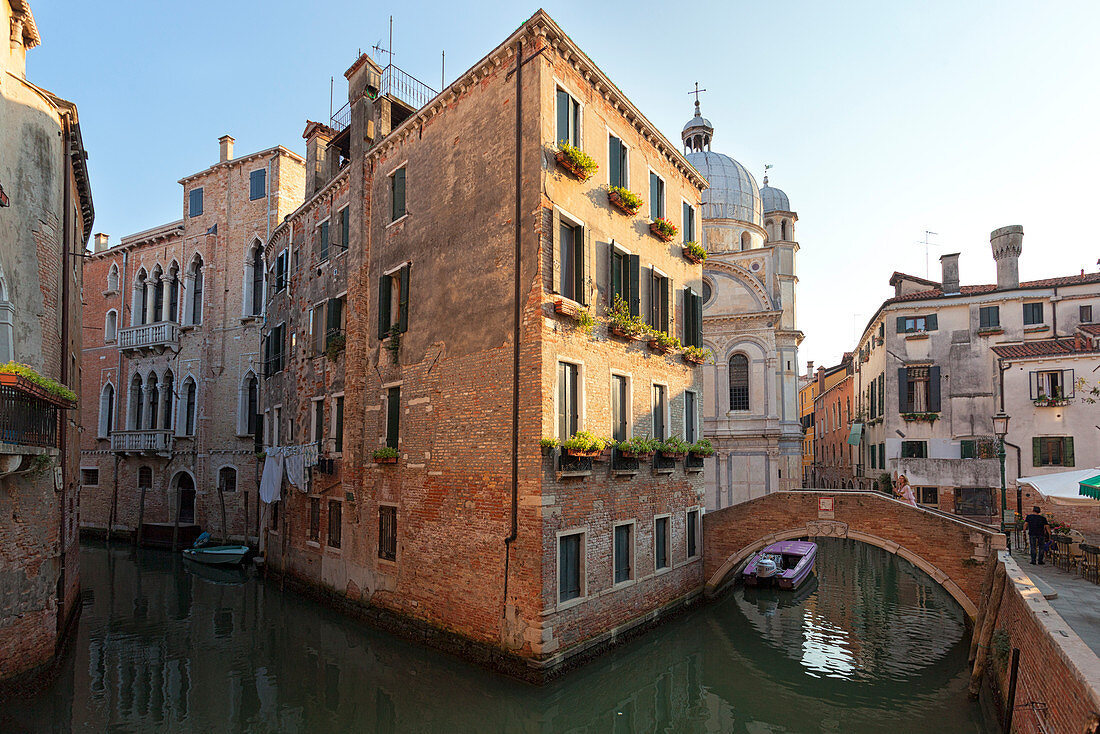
[(215, 555), (786, 564)]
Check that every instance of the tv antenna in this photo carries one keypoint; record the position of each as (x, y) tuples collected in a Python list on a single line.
[(380, 50), (927, 246)]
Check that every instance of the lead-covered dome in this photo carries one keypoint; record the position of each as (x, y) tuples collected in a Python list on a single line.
[(733, 193), (774, 199)]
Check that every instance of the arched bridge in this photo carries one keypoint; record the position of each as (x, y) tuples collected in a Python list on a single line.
[(954, 551)]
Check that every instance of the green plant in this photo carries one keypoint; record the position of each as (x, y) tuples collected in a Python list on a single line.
[(664, 227), (41, 464), (548, 443), (334, 345), (699, 354), (636, 445), (393, 342), (664, 341), (586, 322), (675, 445), (885, 484), (386, 452), (696, 250), (628, 198), (585, 441), (261, 455), (620, 318), (578, 159), (702, 447), (27, 373), (1001, 644), (921, 417)]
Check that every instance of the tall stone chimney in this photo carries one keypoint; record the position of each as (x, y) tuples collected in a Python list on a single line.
[(950, 266), (225, 148), (100, 242), (1007, 242), (809, 369)]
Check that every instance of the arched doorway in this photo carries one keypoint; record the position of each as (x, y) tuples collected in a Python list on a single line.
[(185, 485)]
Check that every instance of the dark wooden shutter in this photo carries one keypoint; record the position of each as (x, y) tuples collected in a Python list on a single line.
[(903, 390), (614, 282), (931, 323), (393, 416), (398, 194), (901, 324), (583, 247), (934, 389), (966, 449), (563, 401), (563, 118), (614, 160), (333, 323), (383, 306), (634, 296), (555, 237), (403, 312), (697, 320), (689, 314), (1067, 451), (668, 298), (1036, 451)]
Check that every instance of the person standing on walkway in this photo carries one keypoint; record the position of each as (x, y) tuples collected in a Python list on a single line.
[(1037, 531), (903, 491)]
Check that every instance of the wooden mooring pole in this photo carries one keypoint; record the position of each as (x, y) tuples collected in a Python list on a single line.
[(989, 619), (1010, 702)]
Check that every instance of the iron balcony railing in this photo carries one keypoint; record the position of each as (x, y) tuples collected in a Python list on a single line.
[(396, 83), (26, 420), (149, 441), (150, 336)]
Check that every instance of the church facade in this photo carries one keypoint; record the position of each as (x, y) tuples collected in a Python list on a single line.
[(750, 411)]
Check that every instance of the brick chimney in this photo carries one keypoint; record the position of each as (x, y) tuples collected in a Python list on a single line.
[(225, 148), (1007, 242), (809, 369), (950, 267), (100, 242)]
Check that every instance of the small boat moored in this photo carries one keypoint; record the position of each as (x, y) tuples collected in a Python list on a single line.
[(787, 563), (215, 555)]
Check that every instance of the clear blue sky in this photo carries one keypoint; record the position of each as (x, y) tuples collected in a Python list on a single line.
[(882, 119)]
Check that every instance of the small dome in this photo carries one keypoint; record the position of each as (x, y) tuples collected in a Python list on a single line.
[(774, 199), (733, 192), (698, 122)]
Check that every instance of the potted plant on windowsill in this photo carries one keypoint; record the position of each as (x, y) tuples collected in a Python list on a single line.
[(624, 199), (622, 324), (583, 443), (583, 319), (24, 379), (921, 417), (548, 446), (576, 161), (674, 447), (335, 344), (663, 229), (637, 448), (701, 448), (385, 455), (695, 253), (697, 355), (661, 342)]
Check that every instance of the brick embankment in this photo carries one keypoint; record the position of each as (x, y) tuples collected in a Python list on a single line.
[(1058, 684)]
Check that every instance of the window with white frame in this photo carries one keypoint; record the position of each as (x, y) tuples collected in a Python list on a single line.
[(618, 162), (112, 277), (624, 552), (620, 407), (661, 545), (693, 528), (568, 119), (568, 400), (690, 410), (656, 196), (317, 426), (106, 410), (110, 326), (660, 412)]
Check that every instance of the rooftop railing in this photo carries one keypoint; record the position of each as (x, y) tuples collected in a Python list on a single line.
[(396, 83)]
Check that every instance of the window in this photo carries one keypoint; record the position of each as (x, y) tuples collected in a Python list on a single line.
[(323, 240), (334, 324), (660, 412), (568, 400), (689, 417), (275, 350), (968, 448), (257, 184), (689, 223), (387, 533), (569, 120), (194, 202), (397, 194), (570, 560), (189, 397), (344, 222), (919, 389), (571, 259), (106, 410), (145, 478), (314, 518), (882, 394), (914, 449), (692, 533), (739, 382), (334, 523), (1052, 451), (338, 428), (196, 292), (112, 278), (620, 407), (872, 403), (393, 301), (173, 294), (624, 553), (927, 495), (658, 301), (252, 405), (693, 317), (974, 501), (158, 296), (1086, 314), (917, 324), (318, 421), (882, 456), (746, 241), (89, 477), (989, 317), (660, 543), (280, 271), (656, 196), (257, 293), (624, 278), (1051, 384), (393, 417), (227, 479), (1033, 314), (873, 456), (617, 163)]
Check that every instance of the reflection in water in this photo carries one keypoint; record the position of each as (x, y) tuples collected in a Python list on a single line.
[(869, 643)]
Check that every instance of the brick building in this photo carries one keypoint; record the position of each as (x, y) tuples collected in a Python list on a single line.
[(833, 418), (45, 217), (172, 356), (438, 241), (807, 395)]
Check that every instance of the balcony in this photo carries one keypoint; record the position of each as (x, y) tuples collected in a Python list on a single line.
[(150, 338), (142, 442)]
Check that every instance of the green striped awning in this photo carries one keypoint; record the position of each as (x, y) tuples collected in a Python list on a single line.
[(1091, 487), (855, 434)]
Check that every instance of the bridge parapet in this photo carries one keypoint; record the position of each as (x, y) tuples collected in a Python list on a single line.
[(952, 550)]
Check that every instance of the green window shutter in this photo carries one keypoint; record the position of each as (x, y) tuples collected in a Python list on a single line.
[(901, 324), (689, 315), (333, 314), (383, 306), (615, 274), (635, 297), (1036, 448), (654, 298), (934, 390), (555, 236), (393, 416), (324, 235), (967, 449), (345, 223), (654, 193), (669, 305), (403, 314), (1067, 451), (398, 194), (614, 160), (697, 320), (563, 117), (583, 248), (931, 323), (903, 390), (882, 394)]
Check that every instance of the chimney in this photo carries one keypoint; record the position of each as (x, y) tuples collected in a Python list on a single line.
[(1007, 242), (950, 266), (100, 242), (809, 369), (225, 148)]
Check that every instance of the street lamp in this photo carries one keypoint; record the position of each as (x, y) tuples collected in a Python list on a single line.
[(1000, 430)]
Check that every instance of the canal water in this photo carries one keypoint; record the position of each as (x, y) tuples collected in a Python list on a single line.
[(871, 644)]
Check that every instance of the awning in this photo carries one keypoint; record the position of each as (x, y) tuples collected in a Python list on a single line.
[(1091, 487), (856, 434)]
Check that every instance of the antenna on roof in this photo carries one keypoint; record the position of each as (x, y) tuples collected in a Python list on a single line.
[(766, 167), (927, 246), (378, 46)]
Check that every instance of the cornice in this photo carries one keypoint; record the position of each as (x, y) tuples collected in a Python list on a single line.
[(321, 193), (244, 159)]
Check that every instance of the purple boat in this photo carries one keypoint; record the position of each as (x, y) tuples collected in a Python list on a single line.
[(787, 563)]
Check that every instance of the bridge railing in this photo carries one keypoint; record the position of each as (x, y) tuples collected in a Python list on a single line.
[(976, 524)]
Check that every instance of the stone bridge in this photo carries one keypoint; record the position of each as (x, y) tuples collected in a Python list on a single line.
[(954, 551)]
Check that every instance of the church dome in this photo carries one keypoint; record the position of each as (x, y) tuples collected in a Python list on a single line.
[(733, 192), (774, 199)]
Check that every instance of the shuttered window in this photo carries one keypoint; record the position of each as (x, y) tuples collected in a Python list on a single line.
[(692, 533), (625, 269), (658, 301), (393, 301), (919, 389), (397, 194), (913, 324), (393, 416), (335, 523), (620, 407), (257, 184), (1033, 314), (569, 566), (693, 318), (345, 229), (568, 400), (323, 240), (689, 223), (660, 543), (617, 162), (1052, 451), (387, 533), (689, 417), (989, 317), (318, 421), (1051, 384), (568, 120), (571, 258), (194, 202), (339, 428), (314, 518), (624, 566), (660, 412), (914, 449), (656, 196)]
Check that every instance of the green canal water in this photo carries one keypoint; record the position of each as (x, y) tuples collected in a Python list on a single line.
[(869, 645)]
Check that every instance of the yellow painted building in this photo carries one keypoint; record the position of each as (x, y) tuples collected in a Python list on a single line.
[(807, 393)]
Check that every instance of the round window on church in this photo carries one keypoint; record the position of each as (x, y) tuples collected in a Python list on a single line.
[(706, 291)]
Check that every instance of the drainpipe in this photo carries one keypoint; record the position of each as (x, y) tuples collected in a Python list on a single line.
[(66, 243), (119, 391), (1054, 313), (1003, 367)]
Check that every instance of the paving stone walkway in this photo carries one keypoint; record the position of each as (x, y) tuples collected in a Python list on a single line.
[(1078, 600)]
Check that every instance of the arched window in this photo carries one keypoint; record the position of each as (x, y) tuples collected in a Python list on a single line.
[(140, 299), (7, 319), (137, 397), (257, 279), (786, 227), (769, 227), (106, 410), (158, 296), (167, 394), (145, 477), (173, 292), (152, 390), (192, 309), (110, 326), (190, 402), (746, 241), (227, 479), (248, 405), (112, 277), (739, 382)]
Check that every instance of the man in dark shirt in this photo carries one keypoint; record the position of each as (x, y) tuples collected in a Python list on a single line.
[(1037, 530)]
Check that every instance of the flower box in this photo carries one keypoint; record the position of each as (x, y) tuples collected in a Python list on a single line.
[(673, 454), (1050, 402), (24, 385), (567, 163), (692, 359), (617, 201), (656, 347), (582, 453), (624, 334), (662, 229), (567, 307), (691, 258), (385, 460), (635, 454)]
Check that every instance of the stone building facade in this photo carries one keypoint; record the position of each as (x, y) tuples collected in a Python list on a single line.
[(751, 411), (833, 419), (45, 217), (464, 239), (172, 362)]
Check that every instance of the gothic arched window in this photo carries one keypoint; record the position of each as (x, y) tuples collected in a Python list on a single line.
[(190, 400), (106, 410), (739, 382), (746, 241)]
